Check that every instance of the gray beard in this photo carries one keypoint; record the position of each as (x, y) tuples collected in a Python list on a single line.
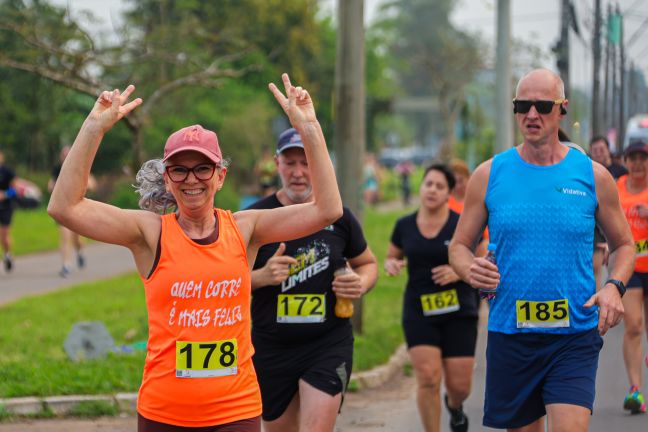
[(298, 198)]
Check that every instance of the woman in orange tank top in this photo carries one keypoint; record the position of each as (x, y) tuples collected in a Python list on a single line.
[(195, 261), (633, 194)]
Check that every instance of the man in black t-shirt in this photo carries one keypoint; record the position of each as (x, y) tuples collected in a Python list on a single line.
[(304, 352), (7, 194)]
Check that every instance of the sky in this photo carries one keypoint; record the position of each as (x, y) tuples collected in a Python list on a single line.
[(533, 21)]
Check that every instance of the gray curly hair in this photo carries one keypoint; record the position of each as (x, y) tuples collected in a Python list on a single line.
[(149, 184)]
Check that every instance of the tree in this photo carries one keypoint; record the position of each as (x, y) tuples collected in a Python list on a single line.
[(436, 58), (171, 47)]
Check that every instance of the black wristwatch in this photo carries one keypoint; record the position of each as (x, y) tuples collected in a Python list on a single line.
[(618, 284)]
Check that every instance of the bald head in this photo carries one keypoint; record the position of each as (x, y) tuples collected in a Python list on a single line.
[(541, 80)]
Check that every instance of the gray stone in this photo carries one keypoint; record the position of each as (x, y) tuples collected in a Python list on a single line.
[(88, 340)]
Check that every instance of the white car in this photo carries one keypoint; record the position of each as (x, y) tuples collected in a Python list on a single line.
[(637, 129)]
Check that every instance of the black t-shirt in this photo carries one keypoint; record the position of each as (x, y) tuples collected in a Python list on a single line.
[(275, 316), (7, 175), (423, 254), (617, 170)]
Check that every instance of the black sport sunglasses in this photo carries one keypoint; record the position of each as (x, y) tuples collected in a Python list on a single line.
[(542, 106)]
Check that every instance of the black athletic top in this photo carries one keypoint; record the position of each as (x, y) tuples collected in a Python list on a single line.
[(7, 175), (302, 307), (423, 254)]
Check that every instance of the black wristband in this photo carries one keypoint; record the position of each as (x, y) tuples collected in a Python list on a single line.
[(620, 286)]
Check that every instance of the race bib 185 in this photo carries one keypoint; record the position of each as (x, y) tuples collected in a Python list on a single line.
[(542, 314)]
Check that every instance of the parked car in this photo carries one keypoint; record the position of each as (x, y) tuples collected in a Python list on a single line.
[(637, 129)]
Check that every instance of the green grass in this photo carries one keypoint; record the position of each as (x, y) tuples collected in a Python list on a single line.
[(33, 330), (33, 231), (382, 331)]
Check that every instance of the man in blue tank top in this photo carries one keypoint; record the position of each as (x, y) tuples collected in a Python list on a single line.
[(541, 201)]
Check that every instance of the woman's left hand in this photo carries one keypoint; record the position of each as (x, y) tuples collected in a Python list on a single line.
[(297, 103), (444, 275)]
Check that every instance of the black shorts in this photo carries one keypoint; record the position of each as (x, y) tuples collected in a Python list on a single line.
[(324, 363), (639, 280), (5, 216), (247, 425), (456, 337)]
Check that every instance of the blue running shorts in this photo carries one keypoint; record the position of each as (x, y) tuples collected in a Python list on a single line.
[(527, 371)]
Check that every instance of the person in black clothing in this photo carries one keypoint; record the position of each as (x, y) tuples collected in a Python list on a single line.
[(304, 352), (7, 194), (440, 311), (600, 152)]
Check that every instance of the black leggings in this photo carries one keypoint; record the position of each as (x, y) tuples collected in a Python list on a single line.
[(247, 425)]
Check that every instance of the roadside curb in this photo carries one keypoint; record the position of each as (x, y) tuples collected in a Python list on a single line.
[(127, 402), (381, 374), (65, 405)]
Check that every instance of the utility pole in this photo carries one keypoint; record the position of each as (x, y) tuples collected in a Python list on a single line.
[(606, 84), (350, 113), (503, 97), (621, 133), (562, 55), (632, 91), (596, 68)]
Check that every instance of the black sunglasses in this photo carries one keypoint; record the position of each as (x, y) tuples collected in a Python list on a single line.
[(542, 106), (179, 173)]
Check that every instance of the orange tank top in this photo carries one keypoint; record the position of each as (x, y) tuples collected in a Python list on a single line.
[(198, 370), (457, 207), (638, 225)]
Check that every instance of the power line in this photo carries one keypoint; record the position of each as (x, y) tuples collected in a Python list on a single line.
[(637, 33), (632, 7)]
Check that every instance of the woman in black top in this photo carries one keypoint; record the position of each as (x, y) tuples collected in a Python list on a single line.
[(439, 310)]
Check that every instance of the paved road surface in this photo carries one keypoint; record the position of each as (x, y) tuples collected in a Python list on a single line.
[(389, 408), (38, 273)]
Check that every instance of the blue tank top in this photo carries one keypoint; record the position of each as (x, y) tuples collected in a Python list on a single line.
[(542, 220)]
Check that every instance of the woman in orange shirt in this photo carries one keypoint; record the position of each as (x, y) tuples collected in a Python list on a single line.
[(633, 194), (194, 262)]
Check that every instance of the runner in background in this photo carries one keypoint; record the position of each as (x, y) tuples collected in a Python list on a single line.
[(7, 195), (633, 193), (304, 346), (69, 240), (440, 311), (461, 174)]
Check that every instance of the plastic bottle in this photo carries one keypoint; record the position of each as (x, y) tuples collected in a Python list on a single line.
[(486, 293), (343, 306)]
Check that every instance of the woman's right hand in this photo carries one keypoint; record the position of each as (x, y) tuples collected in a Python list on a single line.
[(111, 106), (393, 266)]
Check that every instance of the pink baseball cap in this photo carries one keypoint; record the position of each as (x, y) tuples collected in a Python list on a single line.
[(193, 138)]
